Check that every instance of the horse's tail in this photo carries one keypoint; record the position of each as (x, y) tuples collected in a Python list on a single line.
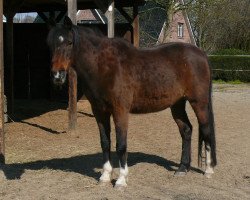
[(212, 131)]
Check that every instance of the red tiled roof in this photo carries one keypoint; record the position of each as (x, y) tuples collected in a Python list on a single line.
[(85, 15)]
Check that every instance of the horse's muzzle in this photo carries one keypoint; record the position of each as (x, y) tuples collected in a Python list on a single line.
[(59, 77)]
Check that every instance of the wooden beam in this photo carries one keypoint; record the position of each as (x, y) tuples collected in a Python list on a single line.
[(72, 10), (13, 5), (110, 14), (109, 10), (52, 15), (43, 16), (2, 145), (125, 15), (60, 16), (136, 38), (102, 5)]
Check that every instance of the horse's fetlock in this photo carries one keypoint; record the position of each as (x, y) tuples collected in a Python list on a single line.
[(121, 148), (105, 147)]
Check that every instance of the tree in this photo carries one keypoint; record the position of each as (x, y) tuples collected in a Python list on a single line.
[(219, 24), (156, 13)]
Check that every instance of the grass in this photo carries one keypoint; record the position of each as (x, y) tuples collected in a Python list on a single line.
[(234, 82)]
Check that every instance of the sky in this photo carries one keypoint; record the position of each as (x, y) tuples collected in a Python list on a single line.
[(22, 15)]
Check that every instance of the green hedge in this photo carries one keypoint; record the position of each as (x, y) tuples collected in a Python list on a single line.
[(230, 52), (230, 67)]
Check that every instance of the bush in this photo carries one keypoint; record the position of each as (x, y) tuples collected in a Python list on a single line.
[(231, 52), (230, 67)]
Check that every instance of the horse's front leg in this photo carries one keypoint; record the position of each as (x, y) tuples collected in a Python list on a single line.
[(103, 122), (121, 127)]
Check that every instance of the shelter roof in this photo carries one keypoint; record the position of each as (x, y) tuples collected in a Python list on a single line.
[(60, 5)]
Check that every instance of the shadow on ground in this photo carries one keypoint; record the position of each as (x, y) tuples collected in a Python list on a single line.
[(85, 164), (26, 109)]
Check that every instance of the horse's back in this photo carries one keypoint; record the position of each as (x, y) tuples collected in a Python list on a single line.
[(150, 80), (168, 73)]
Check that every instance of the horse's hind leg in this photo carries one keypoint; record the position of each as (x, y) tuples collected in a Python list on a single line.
[(204, 115), (103, 122), (185, 128)]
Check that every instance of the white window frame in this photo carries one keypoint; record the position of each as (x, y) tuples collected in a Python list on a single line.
[(180, 30)]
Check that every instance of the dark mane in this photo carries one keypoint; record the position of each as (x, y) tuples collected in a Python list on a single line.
[(87, 34)]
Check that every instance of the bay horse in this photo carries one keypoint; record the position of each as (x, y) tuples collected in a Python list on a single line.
[(119, 79)]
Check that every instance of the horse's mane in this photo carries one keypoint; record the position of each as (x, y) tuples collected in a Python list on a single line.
[(90, 34)]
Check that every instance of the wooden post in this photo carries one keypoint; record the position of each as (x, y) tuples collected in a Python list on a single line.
[(136, 38), (2, 149), (72, 10), (110, 14), (108, 8)]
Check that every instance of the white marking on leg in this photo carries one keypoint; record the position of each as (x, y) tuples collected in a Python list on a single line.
[(107, 172), (123, 177), (209, 168)]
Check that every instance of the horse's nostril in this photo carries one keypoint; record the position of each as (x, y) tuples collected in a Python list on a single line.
[(58, 74), (59, 77), (62, 74)]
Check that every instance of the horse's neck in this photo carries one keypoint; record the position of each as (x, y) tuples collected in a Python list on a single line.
[(85, 56)]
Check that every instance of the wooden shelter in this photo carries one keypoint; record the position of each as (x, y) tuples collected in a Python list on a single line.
[(10, 7)]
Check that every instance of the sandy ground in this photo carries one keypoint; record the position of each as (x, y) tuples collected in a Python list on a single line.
[(45, 161)]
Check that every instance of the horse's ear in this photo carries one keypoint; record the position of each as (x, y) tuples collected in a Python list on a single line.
[(51, 23), (67, 23)]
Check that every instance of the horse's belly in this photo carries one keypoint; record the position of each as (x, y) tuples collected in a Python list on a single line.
[(154, 99), (150, 105)]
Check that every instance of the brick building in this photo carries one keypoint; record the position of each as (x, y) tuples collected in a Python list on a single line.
[(179, 29), (90, 16)]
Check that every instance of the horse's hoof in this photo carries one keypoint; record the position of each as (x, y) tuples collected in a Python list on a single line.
[(105, 178), (209, 172), (208, 175), (180, 173), (120, 187), (121, 183), (103, 183)]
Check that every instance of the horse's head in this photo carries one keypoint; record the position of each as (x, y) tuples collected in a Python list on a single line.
[(60, 41)]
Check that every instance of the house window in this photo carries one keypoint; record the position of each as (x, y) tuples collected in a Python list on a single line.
[(180, 31)]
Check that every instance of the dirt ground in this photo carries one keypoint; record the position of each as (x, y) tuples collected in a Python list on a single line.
[(45, 161)]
